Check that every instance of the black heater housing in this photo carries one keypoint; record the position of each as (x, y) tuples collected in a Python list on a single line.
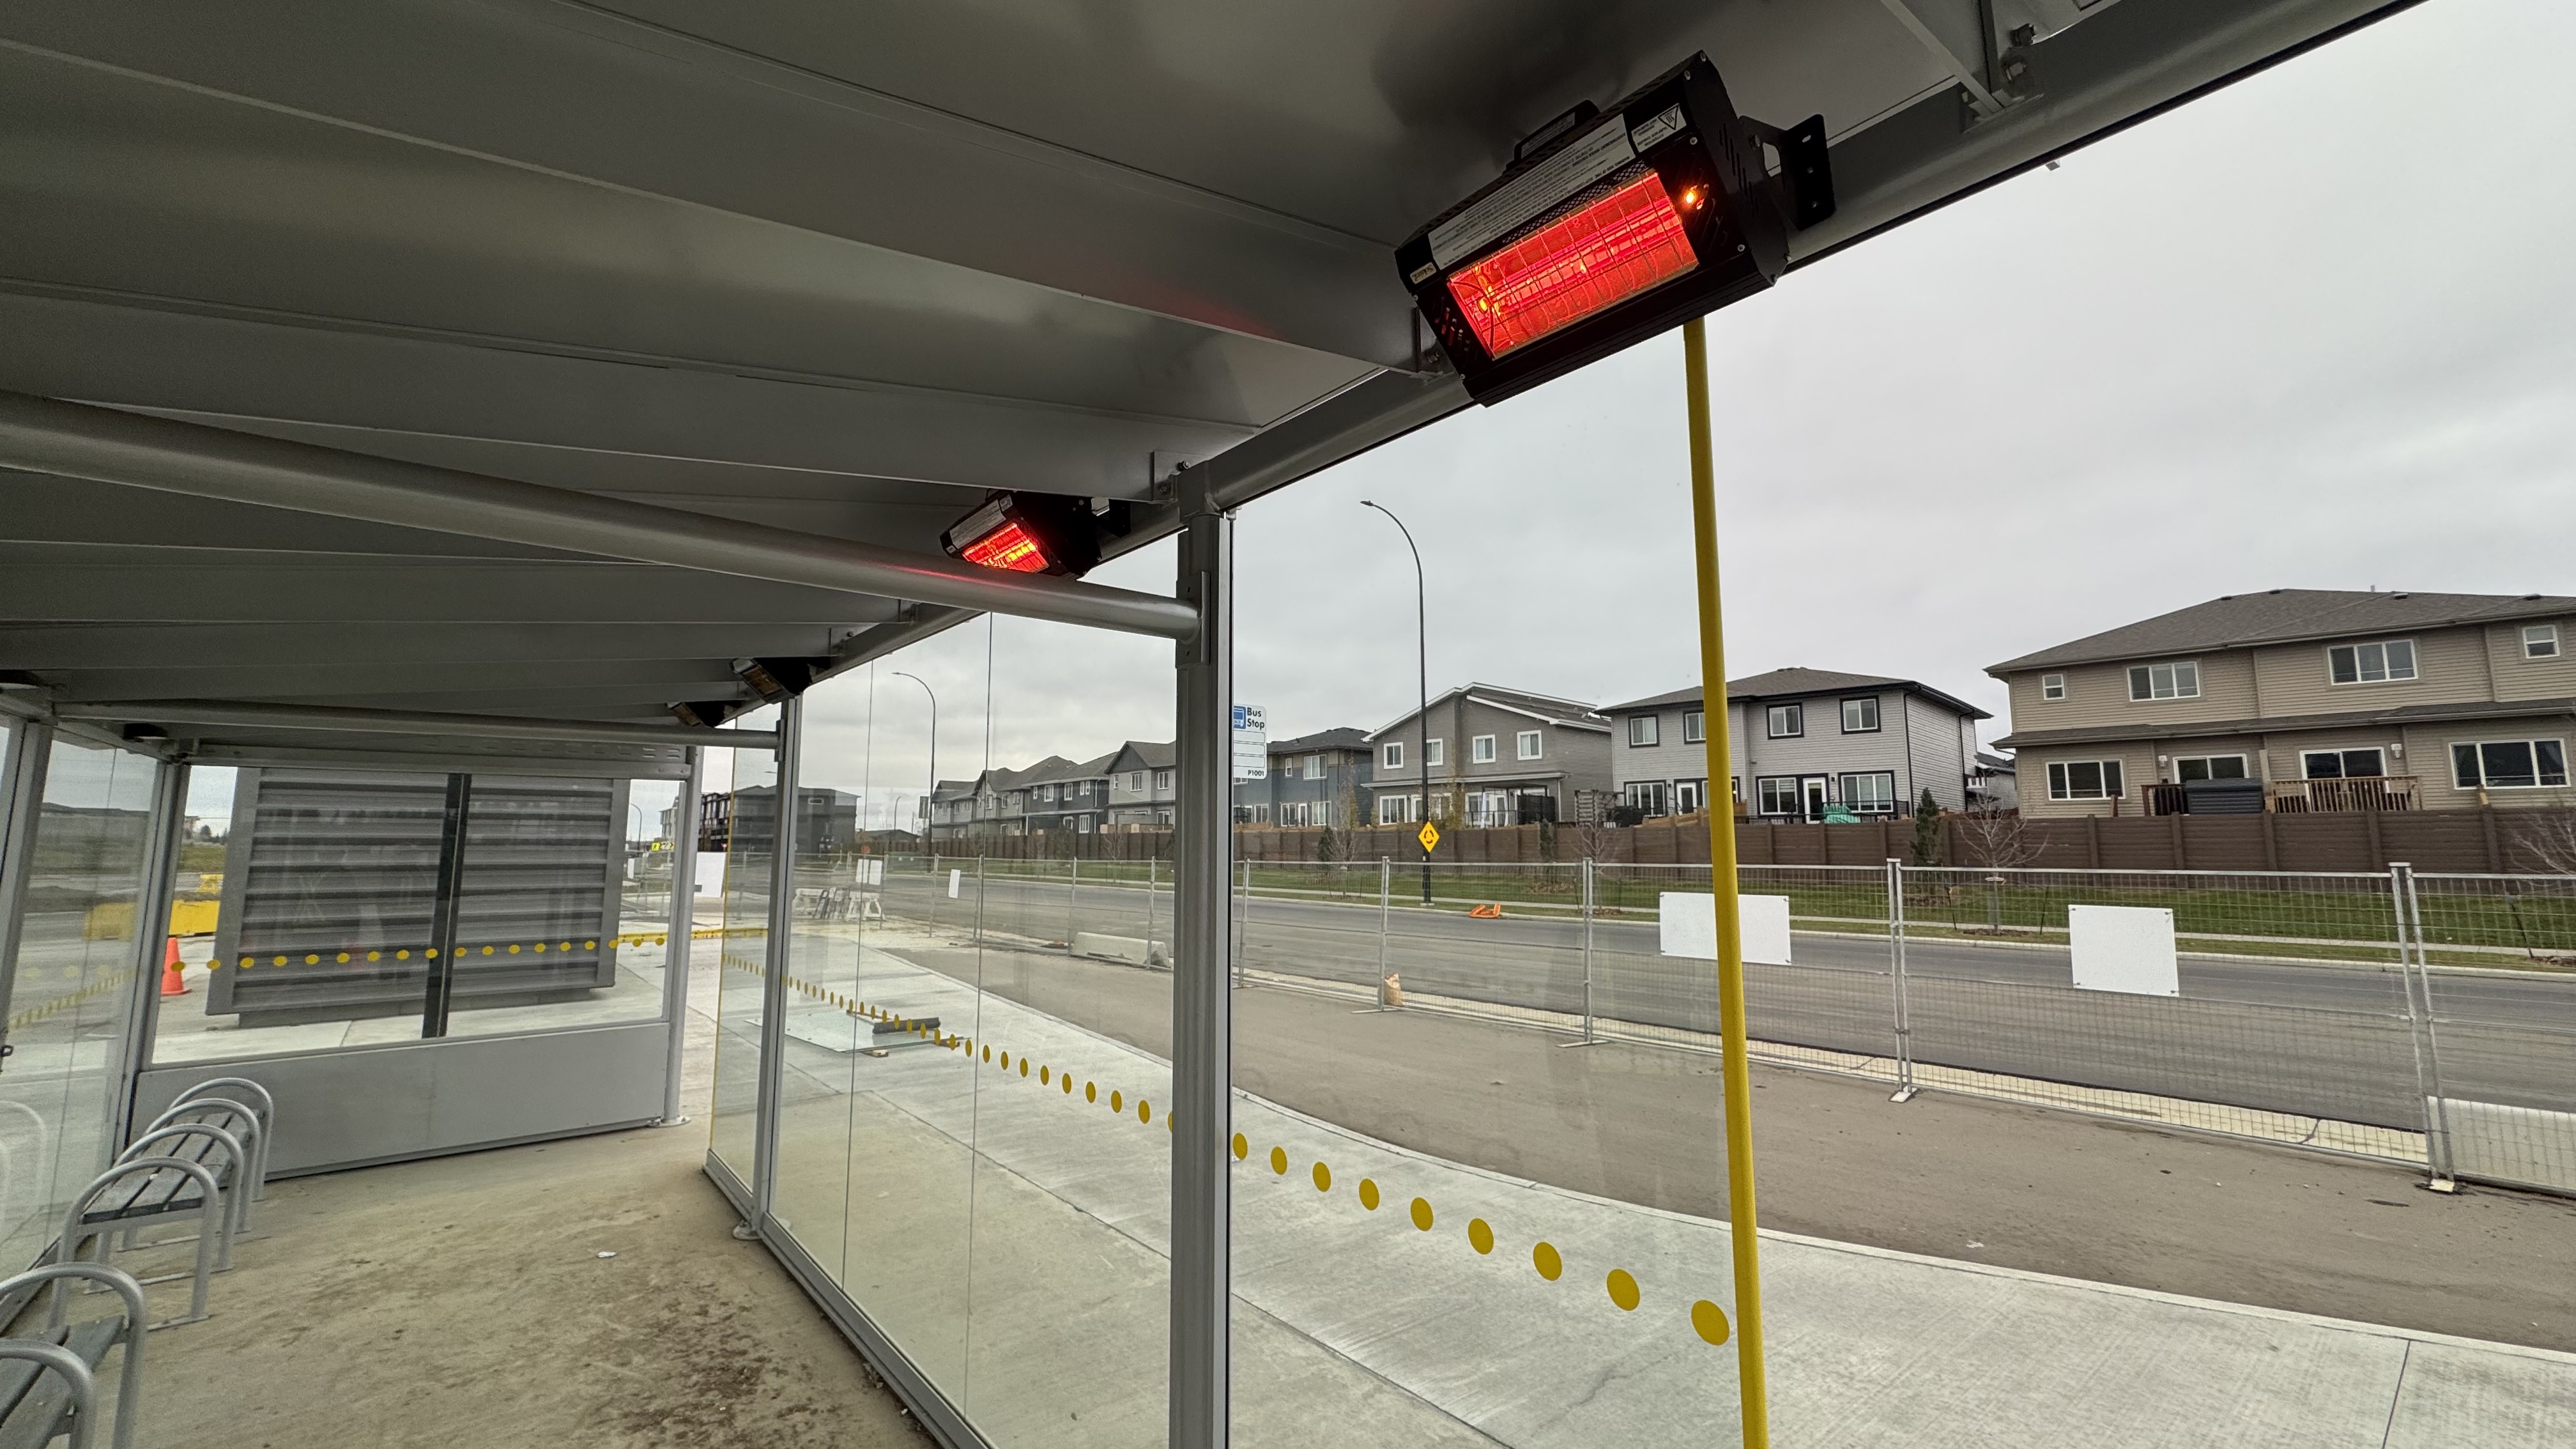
[(1684, 127)]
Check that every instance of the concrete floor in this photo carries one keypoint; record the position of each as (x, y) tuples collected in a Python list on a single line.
[(464, 1301)]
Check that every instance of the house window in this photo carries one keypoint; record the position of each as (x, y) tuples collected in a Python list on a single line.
[(1394, 809), (2341, 764), (1529, 744), (1162, 779), (2052, 686), (2509, 764), (2164, 681), (2539, 641), (1314, 767), (1788, 721), (1860, 716), (1776, 795), (2212, 767), (1135, 782), (1870, 794), (1694, 727), (1435, 752), (1394, 754), (1647, 796), (1641, 730), (2373, 663), (1690, 796), (2084, 780), (1082, 825), (1481, 749)]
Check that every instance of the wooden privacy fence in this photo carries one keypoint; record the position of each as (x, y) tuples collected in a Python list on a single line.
[(2357, 840)]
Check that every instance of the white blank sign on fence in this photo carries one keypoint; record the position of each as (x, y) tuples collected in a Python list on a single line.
[(2124, 948), (710, 877), (1689, 923)]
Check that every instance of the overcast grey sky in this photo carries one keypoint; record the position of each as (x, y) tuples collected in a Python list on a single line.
[(2317, 330)]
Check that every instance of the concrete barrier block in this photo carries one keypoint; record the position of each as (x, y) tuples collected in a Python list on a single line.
[(1133, 950)]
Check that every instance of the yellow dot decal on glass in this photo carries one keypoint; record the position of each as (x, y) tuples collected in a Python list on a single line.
[(375, 955), (1549, 1263), (403, 955), (1422, 1214), (431, 953), (1042, 1076), (1480, 1235), (1623, 1290), (1323, 1178), (245, 960), (312, 960), (1091, 1091), (988, 1054), (1144, 1111), (541, 948), (1279, 1161), (1242, 1148), (342, 958), (1024, 1066), (1709, 1320), (487, 950), (590, 945), (1167, 1121), (1115, 1104), (1368, 1193), (1006, 1061), (566, 946), (1066, 1082), (513, 950)]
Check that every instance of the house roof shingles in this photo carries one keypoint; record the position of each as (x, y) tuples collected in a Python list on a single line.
[(1799, 680), (2283, 616)]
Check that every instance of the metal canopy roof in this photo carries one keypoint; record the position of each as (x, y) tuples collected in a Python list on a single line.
[(831, 270)]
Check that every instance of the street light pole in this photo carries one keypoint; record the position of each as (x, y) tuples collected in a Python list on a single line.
[(928, 819), (1422, 644)]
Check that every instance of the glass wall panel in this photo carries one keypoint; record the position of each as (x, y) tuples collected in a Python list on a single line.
[(305, 906), (73, 986), (744, 844), (973, 1135)]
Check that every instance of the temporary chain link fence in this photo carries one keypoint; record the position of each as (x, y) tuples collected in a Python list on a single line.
[(2389, 1015)]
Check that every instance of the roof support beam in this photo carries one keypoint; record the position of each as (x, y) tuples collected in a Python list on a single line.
[(109, 446), (398, 722)]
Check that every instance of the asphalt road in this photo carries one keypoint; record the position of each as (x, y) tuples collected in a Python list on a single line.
[(2313, 1038)]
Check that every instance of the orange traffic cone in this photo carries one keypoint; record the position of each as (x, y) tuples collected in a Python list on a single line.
[(172, 984)]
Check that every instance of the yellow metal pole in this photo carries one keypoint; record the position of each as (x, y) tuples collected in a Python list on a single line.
[(1750, 1385)]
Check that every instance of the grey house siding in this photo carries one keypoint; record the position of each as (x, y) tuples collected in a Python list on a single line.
[(1923, 740), (1574, 756), (1825, 749)]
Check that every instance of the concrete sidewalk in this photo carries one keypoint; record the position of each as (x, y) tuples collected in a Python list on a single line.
[(1460, 1323)]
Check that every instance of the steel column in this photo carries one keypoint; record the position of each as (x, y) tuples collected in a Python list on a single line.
[(22, 797), (683, 929), (151, 933), (774, 960), (1202, 1004), (440, 987)]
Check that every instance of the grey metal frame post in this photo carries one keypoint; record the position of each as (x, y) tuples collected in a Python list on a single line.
[(1202, 1004), (22, 795), (775, 957), (1896, 981), (151, 932), (683, 930), (2414, 975), (1385, 904), (1072, 900)]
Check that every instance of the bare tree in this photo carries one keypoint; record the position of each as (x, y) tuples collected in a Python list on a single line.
[(1999, 839), (2545, 841)]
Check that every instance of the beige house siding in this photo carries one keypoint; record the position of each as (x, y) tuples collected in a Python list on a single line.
[(2030, 770), (2450, 666), (2520, 678), (2098, 694), (2167, 751), (2428, 756)]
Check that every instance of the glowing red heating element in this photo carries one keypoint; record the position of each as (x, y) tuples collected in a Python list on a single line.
[(1008, 547), (1576, 265)]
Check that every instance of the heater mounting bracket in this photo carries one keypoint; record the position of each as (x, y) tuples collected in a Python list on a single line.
[(1806, 171)]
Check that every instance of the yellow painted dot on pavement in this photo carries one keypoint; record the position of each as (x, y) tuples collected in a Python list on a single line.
[(1024, 1066), (1368, 1193), (1323, 1178), (1710, 1320), (1623, 1290), (1549, 1263), (1091, 1091), (1279, 1161), (988, 1054), (1006, 1061), (1422, 1214), (1242, 1148), (1480, 1235), (1066, 1082)]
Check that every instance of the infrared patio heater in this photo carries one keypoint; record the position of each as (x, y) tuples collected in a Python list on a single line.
[(1036, 533), (1611, 226)]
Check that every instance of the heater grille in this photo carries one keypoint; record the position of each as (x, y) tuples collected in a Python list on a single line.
[(1008, 547), (1603, 250)]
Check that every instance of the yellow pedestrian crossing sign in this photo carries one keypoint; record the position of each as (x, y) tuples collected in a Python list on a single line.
[(1430, 837)]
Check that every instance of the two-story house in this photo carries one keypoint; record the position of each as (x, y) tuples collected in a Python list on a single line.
[(1142, 790), (2319, 699), (1068, 795), (1493, 757), (1807, 739), (1317, 779)]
